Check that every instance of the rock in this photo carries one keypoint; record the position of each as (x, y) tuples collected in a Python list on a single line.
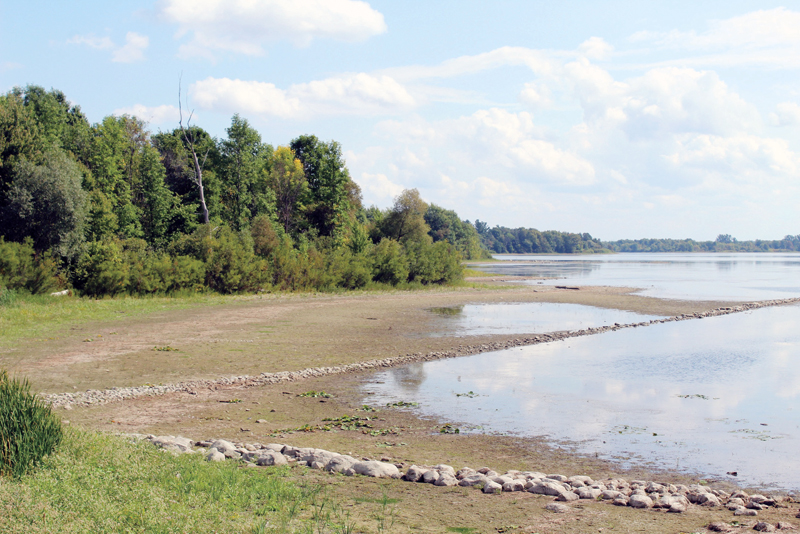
[(316, 464), (678, 507), (261, 421), (172, 443), (558, 478), (492, 487), (567, 496), (745, 512), (610, 495), (546, 488), (430, 476), (268, 458), (719, 527), (277, 447), (316, 455), (707, 499), (340, 463), (221, 445), (446, 479), (557, 508), (580, 480), (588, 493), (215, 456), (372, 468), (473, 480), (464, 472), (783, 525), (513, 485), (414, 473), (232, 454), (652, 487), (734, 503), (638, 500), (445, 469), (763, 526), (622, 500)]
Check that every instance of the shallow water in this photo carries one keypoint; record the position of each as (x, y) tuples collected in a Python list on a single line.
[(666, 275), (709, 396), (526, 318)]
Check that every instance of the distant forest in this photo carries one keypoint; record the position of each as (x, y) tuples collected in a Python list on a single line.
[(113, 208), (501, 240)]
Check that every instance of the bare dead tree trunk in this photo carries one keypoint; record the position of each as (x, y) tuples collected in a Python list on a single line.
[(198, 167)]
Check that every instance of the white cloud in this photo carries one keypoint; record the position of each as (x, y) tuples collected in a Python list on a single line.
[(355, 94), (662, 102), (596, 48), (92, 41), (767, 38), (786, 114), (536, 95), (245, 26), (759, 29), (133, 50), (740, 157), (380, 186), (164, 114), (538, 61)]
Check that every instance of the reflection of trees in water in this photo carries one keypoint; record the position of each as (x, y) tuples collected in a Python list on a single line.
[(725, 265), (559, 269), (409, 378)]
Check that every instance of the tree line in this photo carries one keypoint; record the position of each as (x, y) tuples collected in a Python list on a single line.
[(723, 243), (502, 240), (113, 208)]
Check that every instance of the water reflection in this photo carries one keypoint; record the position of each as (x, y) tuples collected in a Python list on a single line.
[(526, 318), (713, 395), (739, 276)]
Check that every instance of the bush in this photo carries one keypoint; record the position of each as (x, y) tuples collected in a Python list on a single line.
[(102, 271), (438, 263), (22, 268), (389, 264), (29, 430)]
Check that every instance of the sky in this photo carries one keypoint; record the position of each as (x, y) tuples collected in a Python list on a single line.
[(619, 118)]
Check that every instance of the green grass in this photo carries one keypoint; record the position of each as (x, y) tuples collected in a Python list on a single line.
[(42, 315), (106, 484)]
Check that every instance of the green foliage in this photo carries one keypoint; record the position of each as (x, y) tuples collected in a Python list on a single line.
[(120, 210), (405, 221), (46, 202), (22, 268), (389, 263), (28, 429), (503, 240), (437, 263)]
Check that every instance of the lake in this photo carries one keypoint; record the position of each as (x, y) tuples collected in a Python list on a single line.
[(707, 396), (695, 276), (526, 318)]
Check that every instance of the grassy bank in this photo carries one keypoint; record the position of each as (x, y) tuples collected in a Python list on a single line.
[(27, 316), (103, 483)]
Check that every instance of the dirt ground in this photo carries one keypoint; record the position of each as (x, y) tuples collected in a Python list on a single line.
[(291, 332)]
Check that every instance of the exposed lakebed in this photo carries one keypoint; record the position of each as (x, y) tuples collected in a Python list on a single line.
[(711, 396)]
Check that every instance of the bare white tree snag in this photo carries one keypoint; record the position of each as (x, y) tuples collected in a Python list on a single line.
[(189, 139)]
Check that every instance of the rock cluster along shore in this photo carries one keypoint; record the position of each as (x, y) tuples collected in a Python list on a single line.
[(96, 397), (674, 498)]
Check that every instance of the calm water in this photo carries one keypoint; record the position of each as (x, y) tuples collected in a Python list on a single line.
[(682, 276), (526, 318), (709, 396)]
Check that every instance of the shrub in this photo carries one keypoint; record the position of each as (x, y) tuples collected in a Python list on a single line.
[(22, 268), (438, 263), (28, 429), (102, 271), (389, 264)]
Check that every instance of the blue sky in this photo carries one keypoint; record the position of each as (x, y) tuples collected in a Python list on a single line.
[(623, 119)]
